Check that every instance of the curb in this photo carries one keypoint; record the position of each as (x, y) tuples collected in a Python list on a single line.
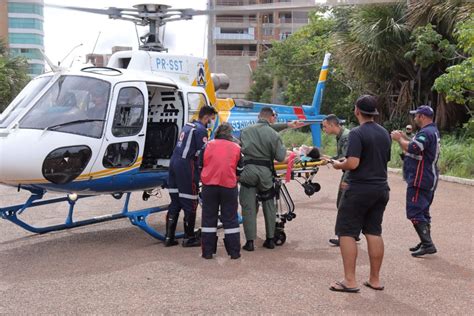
[(442, 177)]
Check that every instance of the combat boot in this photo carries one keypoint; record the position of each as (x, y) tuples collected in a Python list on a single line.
[(269, 243), (427, 247), (190, 239), (249, 246), (171, 221), (418, 246)]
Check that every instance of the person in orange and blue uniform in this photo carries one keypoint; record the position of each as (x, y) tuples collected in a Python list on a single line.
[(421, 174), (183, 179), (221, 162)]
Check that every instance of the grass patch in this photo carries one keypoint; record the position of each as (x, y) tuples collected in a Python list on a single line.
[(456, 158)]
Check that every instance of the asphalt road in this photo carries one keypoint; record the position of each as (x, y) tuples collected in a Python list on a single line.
[(113, 267)]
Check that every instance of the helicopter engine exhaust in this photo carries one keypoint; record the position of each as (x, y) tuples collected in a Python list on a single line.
[(221, 81)]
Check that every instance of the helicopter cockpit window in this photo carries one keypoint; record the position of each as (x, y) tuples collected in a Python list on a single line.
[(195, 101), (129, 114), (73, 104), (23, 100)]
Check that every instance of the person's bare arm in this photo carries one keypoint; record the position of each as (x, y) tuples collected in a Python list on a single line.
[(397, 136), (350, 163)]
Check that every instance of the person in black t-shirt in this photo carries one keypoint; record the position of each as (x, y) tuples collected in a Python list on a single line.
[(364, 201)]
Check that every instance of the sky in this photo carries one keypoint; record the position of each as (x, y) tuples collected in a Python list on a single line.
[(66, 30)]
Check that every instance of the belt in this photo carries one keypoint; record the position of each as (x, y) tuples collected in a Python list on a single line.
[(264, 163)]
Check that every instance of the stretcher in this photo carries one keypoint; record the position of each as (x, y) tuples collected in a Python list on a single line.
[(302, 172)]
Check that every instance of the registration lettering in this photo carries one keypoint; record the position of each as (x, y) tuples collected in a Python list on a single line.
[(170, 65)]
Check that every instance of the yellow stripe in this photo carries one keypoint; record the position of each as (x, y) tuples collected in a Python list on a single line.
[(210, 89), (94, 175), (323, 75), (300, 166)]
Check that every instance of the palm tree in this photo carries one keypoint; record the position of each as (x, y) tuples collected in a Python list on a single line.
[(444, 14), (373, 50)]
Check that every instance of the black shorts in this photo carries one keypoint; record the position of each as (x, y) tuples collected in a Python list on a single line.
[(361, 211)]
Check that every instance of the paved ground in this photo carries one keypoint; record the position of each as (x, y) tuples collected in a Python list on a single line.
[(114, 268)]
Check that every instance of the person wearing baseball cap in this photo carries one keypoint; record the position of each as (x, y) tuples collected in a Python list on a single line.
[(421, 174), (366, 196)]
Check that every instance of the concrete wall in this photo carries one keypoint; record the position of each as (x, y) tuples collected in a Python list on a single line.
[(238, 70)]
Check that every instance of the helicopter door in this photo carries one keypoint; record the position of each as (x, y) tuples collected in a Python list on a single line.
[(125, 133), (166, 117)]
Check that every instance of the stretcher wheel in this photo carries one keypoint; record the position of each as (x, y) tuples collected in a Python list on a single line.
[(289, 218), (293, 215), (280, 238)]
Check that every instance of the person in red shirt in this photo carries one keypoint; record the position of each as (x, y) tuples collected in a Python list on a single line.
[(221, 162)]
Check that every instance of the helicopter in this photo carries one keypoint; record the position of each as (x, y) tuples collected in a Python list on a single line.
[(112, 130)]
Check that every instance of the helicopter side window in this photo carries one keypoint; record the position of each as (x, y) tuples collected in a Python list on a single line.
[(120, 155), (195, 101), (128, 118)]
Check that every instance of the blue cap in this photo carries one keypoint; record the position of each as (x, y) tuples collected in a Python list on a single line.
[(423, 109)]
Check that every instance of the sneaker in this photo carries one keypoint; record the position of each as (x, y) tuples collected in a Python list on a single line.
[(334, 242), (415, 248), (207, 256)]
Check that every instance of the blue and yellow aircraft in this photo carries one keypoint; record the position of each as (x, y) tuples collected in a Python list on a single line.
[(112, 130)]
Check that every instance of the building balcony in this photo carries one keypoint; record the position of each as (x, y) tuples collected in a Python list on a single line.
[(239, 53), (231, 36), (284, 20), (234, 2), (236, 19)]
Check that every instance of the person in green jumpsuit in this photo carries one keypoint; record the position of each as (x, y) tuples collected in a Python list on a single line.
[(261, 145)]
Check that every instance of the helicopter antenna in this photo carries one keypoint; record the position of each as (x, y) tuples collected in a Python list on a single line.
[(138, 36), (95, 44), (51, 65)]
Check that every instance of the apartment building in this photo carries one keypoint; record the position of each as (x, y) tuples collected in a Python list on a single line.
[(237, 41), (21, 28)]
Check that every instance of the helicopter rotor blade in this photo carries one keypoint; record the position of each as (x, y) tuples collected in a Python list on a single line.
[(275, 7), (111, 11)]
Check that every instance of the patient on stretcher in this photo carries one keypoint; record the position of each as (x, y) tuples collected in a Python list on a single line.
[(307, 153)]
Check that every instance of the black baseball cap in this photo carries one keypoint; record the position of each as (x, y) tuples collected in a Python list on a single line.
[(367, 104)]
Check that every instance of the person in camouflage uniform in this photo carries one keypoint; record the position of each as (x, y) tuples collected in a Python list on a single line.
[(332, 126)]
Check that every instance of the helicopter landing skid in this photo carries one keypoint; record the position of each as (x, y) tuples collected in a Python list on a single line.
[(137, 218)]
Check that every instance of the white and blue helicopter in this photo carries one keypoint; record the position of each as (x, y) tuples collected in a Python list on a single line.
[(112, 130)]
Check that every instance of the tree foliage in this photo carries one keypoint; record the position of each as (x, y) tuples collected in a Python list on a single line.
[(13, 76), (458, 81), (429, 47), (294, 66), (393, 51)]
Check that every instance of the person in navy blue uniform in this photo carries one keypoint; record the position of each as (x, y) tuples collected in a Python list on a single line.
[(183, 179), (421, 174)]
